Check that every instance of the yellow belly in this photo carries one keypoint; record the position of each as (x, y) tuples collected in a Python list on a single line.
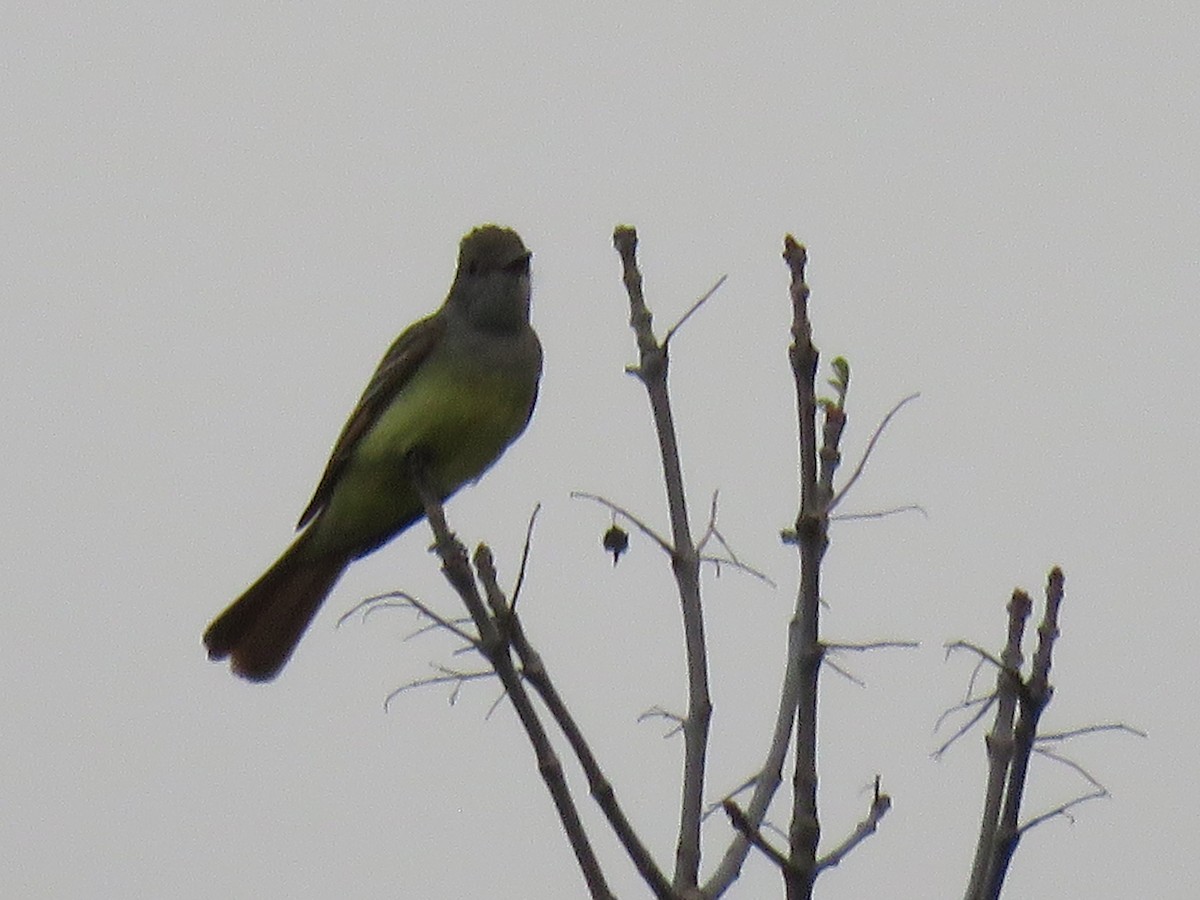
[(458, 422)]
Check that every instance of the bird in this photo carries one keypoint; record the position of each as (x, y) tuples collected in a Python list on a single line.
[(453, 391)]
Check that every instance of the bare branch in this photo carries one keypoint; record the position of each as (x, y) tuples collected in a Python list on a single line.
[(516, 592), (874, 645), (1070, 764), (451, 625), (710, 529), (493, 646), (853, 679), (737, 566), (695, 306), (860, 648), (485, 565), (970, 723), (1039, 676), (880, 804), (657, 712), (840, 495), (1098, 794), (1010, 747), (798, 693), (812, 539), (743, 825), (628, 516), (651, 370), (369, 604), (879, 514), (744, 786), (1090, 729), (973, 648), (401, 600), (1003, 749), (730, 559), (447, 676), (967, 703), (601, 789)]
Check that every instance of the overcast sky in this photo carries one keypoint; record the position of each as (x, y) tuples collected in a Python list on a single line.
[(213, 223)]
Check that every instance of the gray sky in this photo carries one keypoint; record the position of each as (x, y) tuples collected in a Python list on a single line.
[(215, 221)]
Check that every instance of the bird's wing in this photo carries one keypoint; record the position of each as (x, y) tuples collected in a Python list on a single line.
[(403, 358)]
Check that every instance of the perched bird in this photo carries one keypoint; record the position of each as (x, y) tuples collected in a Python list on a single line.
[(453, 391)]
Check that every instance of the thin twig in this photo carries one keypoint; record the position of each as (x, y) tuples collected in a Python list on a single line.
[(516, 591), (1090, 729), (718, 561), (879, 514), (1070, 764), (628, 516), (858, 470), (439, 621), (1098, 794), (973, 648), (657, 712), (695, 306), (448, 676), (719, 804), (831, 649), (369, 604), (853, 679), (738, 819), (880, 804), (984, 703), (874, 645), (711, 532)]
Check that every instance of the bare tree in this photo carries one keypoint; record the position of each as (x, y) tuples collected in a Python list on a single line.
[(494, 629)]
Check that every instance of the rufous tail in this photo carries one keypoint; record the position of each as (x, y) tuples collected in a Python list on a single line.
[(259, 630)]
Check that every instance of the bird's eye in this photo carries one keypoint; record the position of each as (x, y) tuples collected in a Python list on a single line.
[(519, 266)]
